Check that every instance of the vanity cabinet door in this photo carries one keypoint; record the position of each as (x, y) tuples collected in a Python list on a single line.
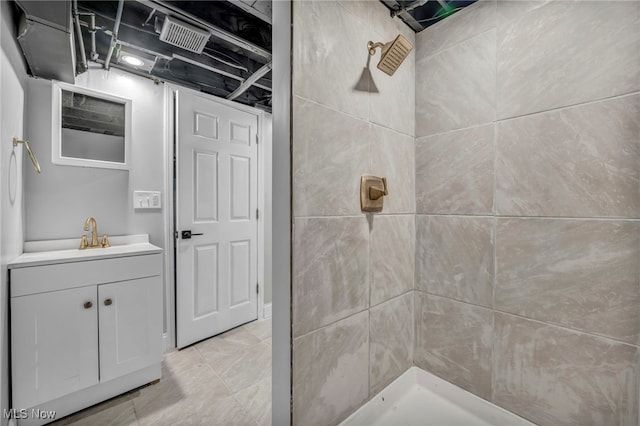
[(54, 344), (130, 323)]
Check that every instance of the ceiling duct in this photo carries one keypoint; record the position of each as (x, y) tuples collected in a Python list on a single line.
[(183, 35)]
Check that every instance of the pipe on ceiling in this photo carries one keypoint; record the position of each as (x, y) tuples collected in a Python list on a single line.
[(251, 80), (207, 67), (92, 31), (114, 36), (76, 18)]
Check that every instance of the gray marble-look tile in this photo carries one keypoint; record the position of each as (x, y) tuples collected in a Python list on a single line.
[(393, 104), (509, 10), (250, 366), (381, 23), (359, 9), (456, 88), (260, 328), (580, 161), (462, 25), (554, 376), (189, 392), (256, 399), (454, 341), (242, 335), (568, 52), (223, 351), (393, 156), (329, 55), (330, 270), (330, 153), (392, 338), (178, 363), (454, 172), (331, 372), (118, 411), (454, 257), (581, 274), (392, 256)]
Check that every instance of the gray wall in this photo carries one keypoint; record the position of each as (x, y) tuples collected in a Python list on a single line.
[(13, 167), (58, 201), (527, 177), (352, 289)]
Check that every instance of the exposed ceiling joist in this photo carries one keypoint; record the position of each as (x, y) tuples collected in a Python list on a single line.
[(171, 10), (250, 9)]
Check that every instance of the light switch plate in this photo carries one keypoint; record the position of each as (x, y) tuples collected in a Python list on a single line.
[(147, 200)]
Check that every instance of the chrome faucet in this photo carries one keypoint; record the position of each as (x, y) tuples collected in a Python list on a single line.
[(84, 243)]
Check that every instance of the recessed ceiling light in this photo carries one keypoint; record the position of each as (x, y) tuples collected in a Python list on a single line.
[(132, 60)]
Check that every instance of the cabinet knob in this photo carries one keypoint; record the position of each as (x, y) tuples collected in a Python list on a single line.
[(108, 302), (88, 305)]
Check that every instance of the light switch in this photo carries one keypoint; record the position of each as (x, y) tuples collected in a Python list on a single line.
[(147, 200)]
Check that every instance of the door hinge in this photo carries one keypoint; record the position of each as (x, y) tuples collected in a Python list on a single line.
[(257, 288), (257, 214), (257, 139)]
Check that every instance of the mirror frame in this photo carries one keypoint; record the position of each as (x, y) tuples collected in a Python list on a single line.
[(56, 128)]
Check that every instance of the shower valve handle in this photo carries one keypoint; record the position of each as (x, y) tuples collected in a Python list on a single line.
[(376, 193)]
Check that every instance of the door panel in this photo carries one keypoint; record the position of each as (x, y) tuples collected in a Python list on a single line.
[(216, 198), (54, 341), (205, 125), (240, 284), (240, 180), (130, 318), (206, 182), (207, 288)]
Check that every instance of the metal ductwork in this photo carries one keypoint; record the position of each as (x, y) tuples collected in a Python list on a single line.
[(45, 34)]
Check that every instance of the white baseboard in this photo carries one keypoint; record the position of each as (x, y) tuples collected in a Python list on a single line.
[(267, 311)]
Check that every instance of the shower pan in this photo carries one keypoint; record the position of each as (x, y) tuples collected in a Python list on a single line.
[(421, 398)]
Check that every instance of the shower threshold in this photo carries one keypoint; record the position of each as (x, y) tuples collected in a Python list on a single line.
[(419, 398)]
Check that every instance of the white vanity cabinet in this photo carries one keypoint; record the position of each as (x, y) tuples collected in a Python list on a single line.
[(84, 331), (54, 345)]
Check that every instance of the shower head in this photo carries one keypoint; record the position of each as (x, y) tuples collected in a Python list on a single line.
[(393, 53)]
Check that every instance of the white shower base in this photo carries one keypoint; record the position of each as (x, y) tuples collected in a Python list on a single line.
[(418, 398)]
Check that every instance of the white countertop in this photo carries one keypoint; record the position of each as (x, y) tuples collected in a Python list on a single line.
[(63, 251)]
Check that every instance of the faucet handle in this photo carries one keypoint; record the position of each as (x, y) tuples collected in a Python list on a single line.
[(84, 243), (105, 241), (376, 193)]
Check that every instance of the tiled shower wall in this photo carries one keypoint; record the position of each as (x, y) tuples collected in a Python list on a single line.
[(353, 274), (527, 201)]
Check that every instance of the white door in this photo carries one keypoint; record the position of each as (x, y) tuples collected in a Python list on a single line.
[(216, 201), (130, 324)]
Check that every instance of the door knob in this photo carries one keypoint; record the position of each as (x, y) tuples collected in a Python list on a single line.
[(186, 235), (108, 302), (88, 305)]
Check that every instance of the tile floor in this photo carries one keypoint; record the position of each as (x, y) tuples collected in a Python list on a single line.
[(225, 380)]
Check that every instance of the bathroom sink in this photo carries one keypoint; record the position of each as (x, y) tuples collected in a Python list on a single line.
[(62, 251)]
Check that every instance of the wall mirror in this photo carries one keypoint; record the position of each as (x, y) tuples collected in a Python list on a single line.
[(90, 128)]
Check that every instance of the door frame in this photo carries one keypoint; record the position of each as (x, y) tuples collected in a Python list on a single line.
[(264, 197)]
